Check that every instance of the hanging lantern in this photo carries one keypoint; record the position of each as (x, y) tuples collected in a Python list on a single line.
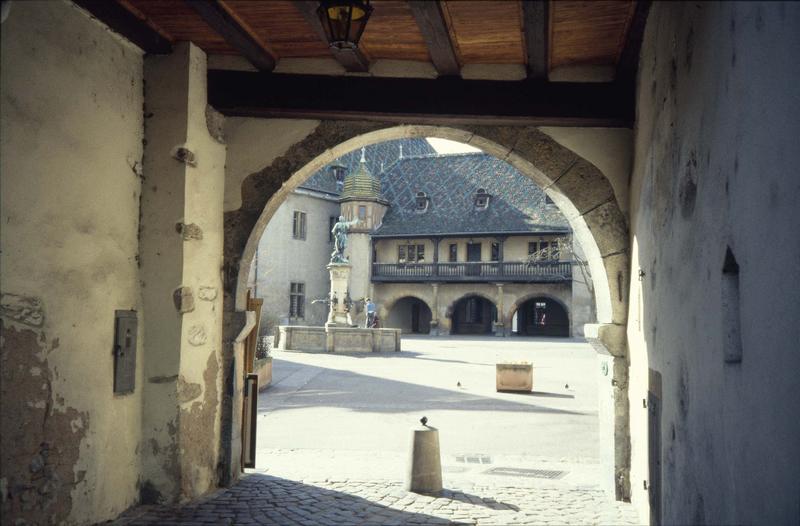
[(344, 21)]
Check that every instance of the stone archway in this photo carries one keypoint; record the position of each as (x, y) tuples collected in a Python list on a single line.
[(484, 309), (542, 315), (576, 186), (519, 302), (400, 314)]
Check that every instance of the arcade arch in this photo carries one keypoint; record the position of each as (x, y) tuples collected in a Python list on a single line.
[(472, 313), (409, 313), (584, 195), (540, 315)]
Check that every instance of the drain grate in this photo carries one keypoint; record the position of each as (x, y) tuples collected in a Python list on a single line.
[(529, 473), (474, 458)]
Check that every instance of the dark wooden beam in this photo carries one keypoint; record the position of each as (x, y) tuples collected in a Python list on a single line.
[(629, 57), (351, 59), (235, 34), (127, 24), (447, 100), (434, 30), (535, 21)]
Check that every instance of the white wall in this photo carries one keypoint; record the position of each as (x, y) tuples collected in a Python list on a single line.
[(282, 260), (716, 157), (71, 151)]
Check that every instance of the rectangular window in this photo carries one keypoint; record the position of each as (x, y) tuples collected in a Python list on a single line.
[(533, 247), (495, 251), (453, 254), (362, 212), (331, 222), (297, 300), (410, 253), (299, 225)]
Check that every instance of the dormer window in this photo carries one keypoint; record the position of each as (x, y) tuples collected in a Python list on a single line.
[(422, 201), (481, 199)]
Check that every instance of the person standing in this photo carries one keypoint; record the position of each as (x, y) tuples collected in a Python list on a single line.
[(370, 307)]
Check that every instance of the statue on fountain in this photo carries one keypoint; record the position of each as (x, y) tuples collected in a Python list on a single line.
[(339, 232)]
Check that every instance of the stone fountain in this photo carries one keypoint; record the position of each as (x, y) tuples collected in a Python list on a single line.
[(339, 333)]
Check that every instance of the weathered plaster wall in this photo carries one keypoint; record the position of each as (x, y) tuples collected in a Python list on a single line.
[(254, 144), (181, 251), (283, 260), (71, 179), (610, 149), (716, 168)]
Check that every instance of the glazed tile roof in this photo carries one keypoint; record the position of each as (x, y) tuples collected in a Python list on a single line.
[(516, 203), (450, 182), (379, 157)]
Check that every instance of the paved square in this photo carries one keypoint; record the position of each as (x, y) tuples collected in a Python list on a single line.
[(334, 432)]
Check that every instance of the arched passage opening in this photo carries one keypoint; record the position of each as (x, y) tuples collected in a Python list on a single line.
[(473, 314), (410, 314), (540, 316), (577, 187)]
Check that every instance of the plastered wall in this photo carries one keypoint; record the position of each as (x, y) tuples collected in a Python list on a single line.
[(716, 156), (283, 260), (70, 184), (181, 252)]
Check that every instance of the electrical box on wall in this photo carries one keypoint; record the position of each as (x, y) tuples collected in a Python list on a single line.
[(125, 327)]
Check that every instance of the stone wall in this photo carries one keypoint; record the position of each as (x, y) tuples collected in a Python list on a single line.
[(71, 164), (716, 171)]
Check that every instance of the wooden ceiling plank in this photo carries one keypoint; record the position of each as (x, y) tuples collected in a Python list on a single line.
[(128, 24), (235, 34), (536, 23), (437, 37), (629, 57), (351, 59), (446, 100)]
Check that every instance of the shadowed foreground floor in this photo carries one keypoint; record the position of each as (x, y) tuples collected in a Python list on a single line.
[(263, 499)]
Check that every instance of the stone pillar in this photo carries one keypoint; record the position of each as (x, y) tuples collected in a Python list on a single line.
[(338, 313), (435, 310), (435, 241), (181, 250), (499, 326)]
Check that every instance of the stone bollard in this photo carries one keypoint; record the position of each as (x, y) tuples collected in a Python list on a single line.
[(425, 464)]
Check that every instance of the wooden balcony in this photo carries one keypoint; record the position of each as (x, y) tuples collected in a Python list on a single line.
[(495, 271)]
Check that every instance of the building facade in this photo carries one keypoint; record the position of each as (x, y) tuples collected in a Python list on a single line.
[(444, 244)]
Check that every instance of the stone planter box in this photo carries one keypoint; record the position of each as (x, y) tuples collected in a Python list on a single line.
[(263, 368), (514, 376)]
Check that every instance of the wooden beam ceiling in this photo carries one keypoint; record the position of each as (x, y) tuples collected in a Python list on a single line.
[(229, 26), (434, 29), (447, 100), (535, 22), (127, 24), (351, 59)]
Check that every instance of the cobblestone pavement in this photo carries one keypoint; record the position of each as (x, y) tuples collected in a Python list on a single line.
[(264, 499)]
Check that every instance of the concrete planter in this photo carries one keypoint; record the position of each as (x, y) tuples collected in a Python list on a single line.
[(514, 376), (263, 368)]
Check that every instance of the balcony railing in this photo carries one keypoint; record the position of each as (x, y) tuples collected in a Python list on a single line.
[(515, 271)]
